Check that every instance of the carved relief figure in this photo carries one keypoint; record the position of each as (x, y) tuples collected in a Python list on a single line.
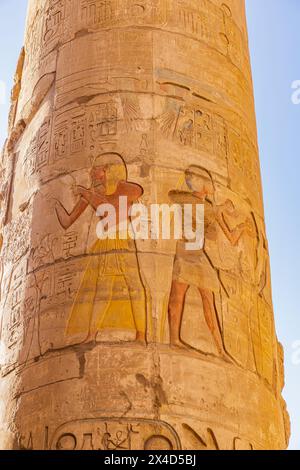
[(194, 268), (113, 267)]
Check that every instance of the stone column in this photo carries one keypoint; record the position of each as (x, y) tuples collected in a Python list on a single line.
[(135, 345)]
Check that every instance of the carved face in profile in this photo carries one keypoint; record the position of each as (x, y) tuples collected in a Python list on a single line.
[(107, 171), (98, 177), (199, 180)]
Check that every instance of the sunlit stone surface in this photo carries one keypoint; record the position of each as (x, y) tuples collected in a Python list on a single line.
[(119, 344)]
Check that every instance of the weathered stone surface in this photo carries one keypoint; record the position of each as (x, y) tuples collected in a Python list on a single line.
[(122, 344)]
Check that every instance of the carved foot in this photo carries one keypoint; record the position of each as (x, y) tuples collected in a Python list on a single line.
[(141, 338), (180, 345)]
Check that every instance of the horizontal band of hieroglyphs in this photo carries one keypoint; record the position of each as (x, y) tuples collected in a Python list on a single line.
[(59, 22), (82, 130)]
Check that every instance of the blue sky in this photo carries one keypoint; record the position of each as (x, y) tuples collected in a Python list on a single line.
[(274, 35)]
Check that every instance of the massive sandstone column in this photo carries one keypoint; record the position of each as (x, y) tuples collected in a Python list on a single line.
[(157, 95)]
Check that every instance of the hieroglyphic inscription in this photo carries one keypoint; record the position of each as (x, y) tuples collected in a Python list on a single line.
[(37, 154), (100, 13), (115, 434), (44, 31), (208, 439), (211, 24), (102, 121), (83, 128), (69, 243), (243, 167), (194, 127), (97, 12), (53, 20), (17, 238)]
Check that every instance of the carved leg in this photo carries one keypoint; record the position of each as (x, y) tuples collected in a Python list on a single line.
[(100, 306), (137, 295), (175, 311), (138, 306), (211, 318)]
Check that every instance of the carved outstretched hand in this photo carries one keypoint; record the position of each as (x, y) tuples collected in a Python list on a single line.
[(249, 227), (78, 190), (59, 209), (51, 200), (62, 215)]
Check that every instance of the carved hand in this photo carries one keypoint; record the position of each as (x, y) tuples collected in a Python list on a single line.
[(249, 227), (79, 190), (61, 213)]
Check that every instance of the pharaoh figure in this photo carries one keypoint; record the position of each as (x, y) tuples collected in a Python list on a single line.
[(113, 264), (194, 268)]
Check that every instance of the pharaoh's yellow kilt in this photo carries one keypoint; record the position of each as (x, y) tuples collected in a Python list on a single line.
[(111, 293)]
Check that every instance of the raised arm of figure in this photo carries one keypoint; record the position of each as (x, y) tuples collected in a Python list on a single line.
[(132, 190), (67, 219), (233, 235)]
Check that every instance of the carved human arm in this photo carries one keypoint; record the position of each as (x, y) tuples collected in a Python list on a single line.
[(183, 197), (131, 190), (91, 197), (233, 235), (67, 219)]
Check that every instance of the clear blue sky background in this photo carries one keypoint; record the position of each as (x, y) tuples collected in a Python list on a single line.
[(274, 35)]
